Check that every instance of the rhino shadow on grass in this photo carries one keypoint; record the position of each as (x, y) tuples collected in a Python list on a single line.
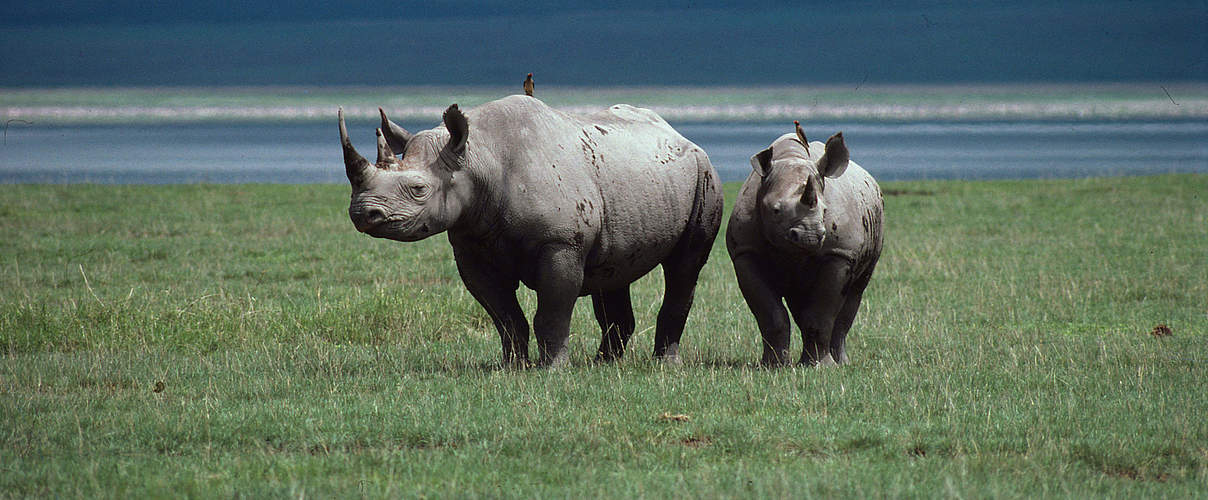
[(569, 205)]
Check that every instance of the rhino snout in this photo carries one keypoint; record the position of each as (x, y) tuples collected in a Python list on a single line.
[(368, 218), (806, 239)]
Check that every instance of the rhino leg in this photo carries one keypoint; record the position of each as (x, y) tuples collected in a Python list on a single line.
[(682, 266), (847, 315), (765, 304), (838, 339), (681, 269), (497, 294), (614, 312), (816, 310), (559, 279)]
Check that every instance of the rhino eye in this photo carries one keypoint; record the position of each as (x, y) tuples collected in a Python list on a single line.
[(419, 190)]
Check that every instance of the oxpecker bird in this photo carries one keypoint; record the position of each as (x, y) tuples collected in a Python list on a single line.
[(801, 137), (528, 85)]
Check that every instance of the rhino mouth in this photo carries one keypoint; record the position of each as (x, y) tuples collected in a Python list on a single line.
[(804, 239), (398, 229)]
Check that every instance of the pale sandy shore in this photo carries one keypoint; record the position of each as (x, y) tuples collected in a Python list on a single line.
[(1154, 101)]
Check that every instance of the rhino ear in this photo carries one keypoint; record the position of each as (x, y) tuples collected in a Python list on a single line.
[(834, 161), (459, 129), (761, 162), (395, 135)]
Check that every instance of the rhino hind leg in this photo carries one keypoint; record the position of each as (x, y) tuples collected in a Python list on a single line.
[(680, 272), (682, 267), (677, 301), (614, 312)]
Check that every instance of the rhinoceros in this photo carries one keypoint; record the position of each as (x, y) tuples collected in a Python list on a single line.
[(570, 205), (805, 230)]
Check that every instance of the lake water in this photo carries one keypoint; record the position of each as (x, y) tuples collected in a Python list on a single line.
[(309, 152)]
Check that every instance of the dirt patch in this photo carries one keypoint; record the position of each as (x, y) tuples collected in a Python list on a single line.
[(1137, 475), (673, 417), (1161, 330), (907, 192), (698, 442)]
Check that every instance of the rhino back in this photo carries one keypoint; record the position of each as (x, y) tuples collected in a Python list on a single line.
[(621, 182), (855, 209), (648, 176)]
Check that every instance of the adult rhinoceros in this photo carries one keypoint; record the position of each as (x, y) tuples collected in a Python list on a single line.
[(569, 205)]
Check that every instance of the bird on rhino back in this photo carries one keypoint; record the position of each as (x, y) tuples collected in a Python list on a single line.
[(569, 205)]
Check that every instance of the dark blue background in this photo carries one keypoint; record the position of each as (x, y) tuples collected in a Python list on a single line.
[(310, 42)]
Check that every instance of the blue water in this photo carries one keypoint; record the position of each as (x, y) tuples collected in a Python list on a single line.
[(310, 153)]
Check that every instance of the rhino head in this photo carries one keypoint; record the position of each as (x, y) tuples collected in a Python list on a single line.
[(792, 205), (415, 196)]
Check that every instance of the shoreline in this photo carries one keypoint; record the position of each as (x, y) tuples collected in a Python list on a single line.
[(878, 103)]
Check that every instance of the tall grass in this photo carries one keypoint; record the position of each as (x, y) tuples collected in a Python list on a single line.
[(1003, 349)]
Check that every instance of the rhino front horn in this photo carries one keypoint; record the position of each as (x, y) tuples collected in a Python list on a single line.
[(355, 165)]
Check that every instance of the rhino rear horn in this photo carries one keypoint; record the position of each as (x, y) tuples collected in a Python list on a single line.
[(355, 165), (385, 156), (459, 129), (834, 161), (396, 136)]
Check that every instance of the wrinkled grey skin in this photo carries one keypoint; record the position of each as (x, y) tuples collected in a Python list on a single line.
[(569, 205), (806, 229)]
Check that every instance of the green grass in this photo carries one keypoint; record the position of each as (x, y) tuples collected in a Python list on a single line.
[(1003, 351)]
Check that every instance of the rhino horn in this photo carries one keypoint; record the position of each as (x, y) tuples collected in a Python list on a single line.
[(385, 156), (355, 165), (809, 195), (396, 136)]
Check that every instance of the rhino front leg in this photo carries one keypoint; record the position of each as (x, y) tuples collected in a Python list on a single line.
[(614, 312), (847, 315), (765, 304), (497, 294), (816, 311), (558, 281)]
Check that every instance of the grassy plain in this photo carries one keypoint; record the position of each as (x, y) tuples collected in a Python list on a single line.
[(222, 341)]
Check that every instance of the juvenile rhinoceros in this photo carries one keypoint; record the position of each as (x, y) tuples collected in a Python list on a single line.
[(806, 229), (569, 205)]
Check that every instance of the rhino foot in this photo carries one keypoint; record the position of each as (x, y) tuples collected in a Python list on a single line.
[(826, 361), (516, 364), (669, 360)]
